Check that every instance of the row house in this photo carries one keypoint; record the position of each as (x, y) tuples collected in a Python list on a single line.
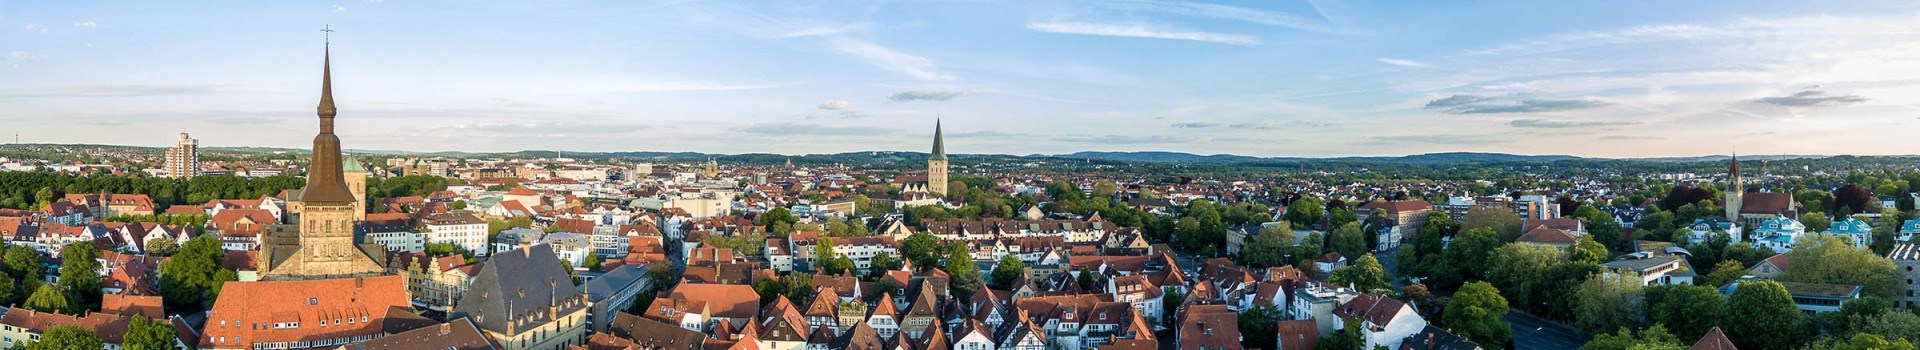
[(1083, 320), (239, 229), (137, 235), (103, 205), (436, 283), (859, 249)]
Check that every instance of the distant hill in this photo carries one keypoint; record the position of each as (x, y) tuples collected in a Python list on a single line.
[(1160, 157), (1178, 157)]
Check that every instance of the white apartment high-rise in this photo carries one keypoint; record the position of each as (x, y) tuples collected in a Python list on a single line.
[(183, 160)]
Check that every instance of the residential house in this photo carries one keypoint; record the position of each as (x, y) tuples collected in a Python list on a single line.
[(1383, 321)]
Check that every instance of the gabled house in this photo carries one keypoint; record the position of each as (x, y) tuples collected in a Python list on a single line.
[(1383, 321)]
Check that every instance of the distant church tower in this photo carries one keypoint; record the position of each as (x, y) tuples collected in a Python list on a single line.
[(321, 244), (1736, 189), (937, 163)]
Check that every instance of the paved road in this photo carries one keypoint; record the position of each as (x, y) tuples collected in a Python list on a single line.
[(1534, 333)]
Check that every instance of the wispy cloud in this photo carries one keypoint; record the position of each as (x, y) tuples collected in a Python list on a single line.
[(1225, 12), (791, 129), (1125, 139), (1478, 104), (1441, 139), (926, 95), (1280, 125), (1562, 124), (1630, 138), (338, 8), (87, 24), (1194, 125), (818, 30), (890, 60), (1812, 98), (550, 129), (835, 105), (1138, 30), (1403, 62)]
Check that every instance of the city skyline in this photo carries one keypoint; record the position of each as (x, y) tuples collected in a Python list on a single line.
[(1314, 79)]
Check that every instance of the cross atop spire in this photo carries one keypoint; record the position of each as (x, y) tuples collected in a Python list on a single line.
[(326, 109)]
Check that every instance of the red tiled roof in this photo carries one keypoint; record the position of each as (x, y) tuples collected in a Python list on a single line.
[(248, 313), (1714, 340), (1544, 235)]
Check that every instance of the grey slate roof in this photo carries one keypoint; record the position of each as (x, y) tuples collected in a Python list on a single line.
[(516, 288), (612, 282)]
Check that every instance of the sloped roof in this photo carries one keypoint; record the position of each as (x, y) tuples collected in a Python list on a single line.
[(520, 285), (1714, 340)]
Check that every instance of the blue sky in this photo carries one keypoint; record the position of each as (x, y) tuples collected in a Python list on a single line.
[(1269, 78)]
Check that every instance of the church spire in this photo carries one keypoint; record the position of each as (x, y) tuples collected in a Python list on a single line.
[(939, 146), (326, 184)]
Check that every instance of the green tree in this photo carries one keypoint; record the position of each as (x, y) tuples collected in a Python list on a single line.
[(1608, 302), (162, 247), (148, 335), (67, 337), (1768, 318), (592, 262), (1586, 251), (47, 299), (964, 278), (769, 289), (1348, 240), (1475, 314), (1863, 341), (1256, 325), (1006, 271), (921, 249), (1469, 253), (1815, 222), (79, 277), (1653, 338), (1831, 260), (191, 279), (1364, 274), (1658, 226), (1900, 325), (1170, 299), (882, 263), (1345, 338), (1690, 310), (1503, 222), (1269, 248), (1725, 272), (1304, 212), (1084, 278)]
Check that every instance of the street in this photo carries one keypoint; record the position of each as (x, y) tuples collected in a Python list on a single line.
[(1534, 333)]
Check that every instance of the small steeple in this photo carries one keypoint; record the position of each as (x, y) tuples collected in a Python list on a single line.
[(939, 146)]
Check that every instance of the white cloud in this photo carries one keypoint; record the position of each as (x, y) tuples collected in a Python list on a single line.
[(1404, 62), (1186, 8), (890, 60), (1138, 30), (820, 30), (87, 24), (20, 55), (835, 105), (338, 8), (926, 95)]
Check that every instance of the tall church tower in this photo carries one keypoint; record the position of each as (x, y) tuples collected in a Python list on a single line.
[(321, 245), (1736, 189), (937, 163)]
